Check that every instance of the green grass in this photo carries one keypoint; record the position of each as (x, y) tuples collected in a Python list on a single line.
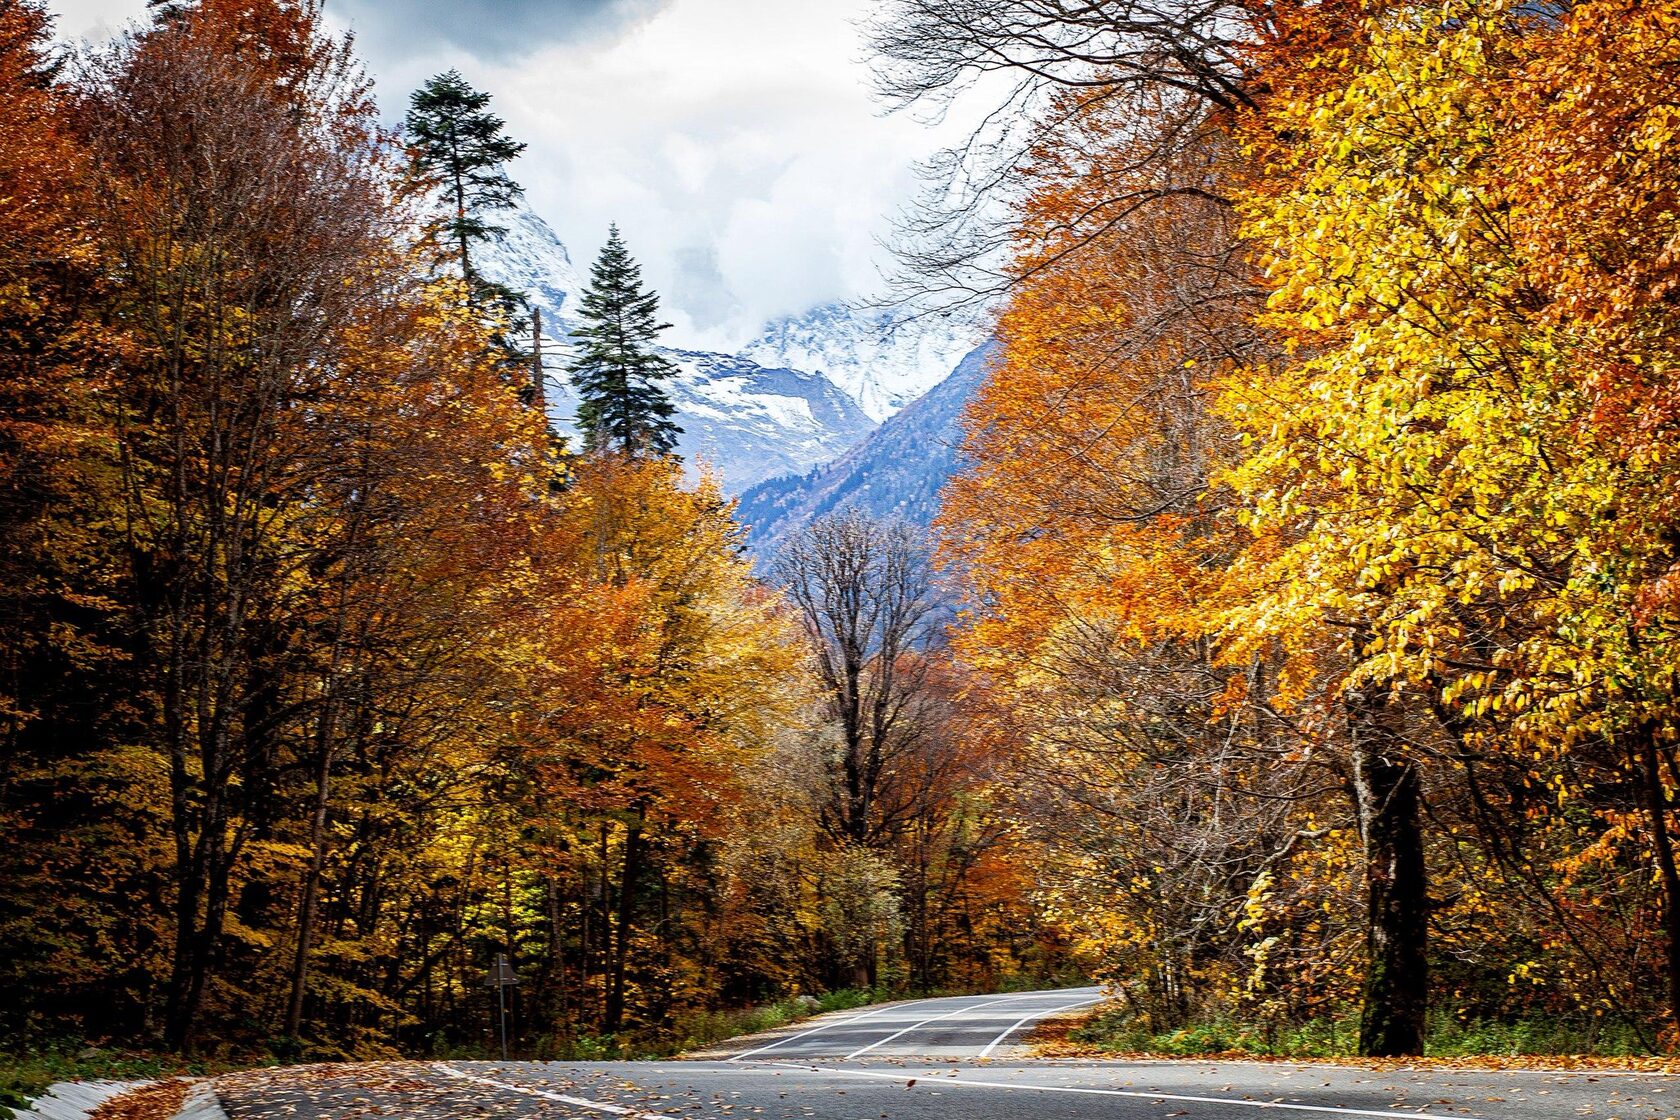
[(708, 1028), (1337, 1036), (1450, 1037), (1122, 1032), (699, 1029)]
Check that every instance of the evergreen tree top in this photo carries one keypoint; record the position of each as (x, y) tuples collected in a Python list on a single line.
[(622, 407), (459, 144), (459, 151)]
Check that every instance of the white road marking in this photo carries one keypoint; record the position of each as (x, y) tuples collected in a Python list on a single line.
[(1025, 1019), (576, 1102), (815, 1030), (948, 1015), (927, 1079)]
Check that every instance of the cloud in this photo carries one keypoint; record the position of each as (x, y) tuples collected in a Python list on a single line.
[(733, 141), (492, 30), (737, 147)]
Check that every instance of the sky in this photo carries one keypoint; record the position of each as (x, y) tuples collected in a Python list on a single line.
[(735, 142)]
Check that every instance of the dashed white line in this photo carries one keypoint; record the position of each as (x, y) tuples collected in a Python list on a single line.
[(530, 1090), (948, 1015), (815, 1030), (1025, 1019)]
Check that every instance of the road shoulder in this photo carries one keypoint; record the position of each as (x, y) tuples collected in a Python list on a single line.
[(744, 1044)]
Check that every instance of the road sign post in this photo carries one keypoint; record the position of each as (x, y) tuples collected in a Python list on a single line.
[(502, 977)]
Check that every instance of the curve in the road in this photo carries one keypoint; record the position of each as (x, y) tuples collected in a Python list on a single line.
[(814, 1030), (922, 1060), (953, 1026)]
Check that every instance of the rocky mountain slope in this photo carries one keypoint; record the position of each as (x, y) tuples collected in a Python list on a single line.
[(897, 471), (792, 422)]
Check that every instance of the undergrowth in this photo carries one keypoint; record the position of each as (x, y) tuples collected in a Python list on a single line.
[(1337, 1036)]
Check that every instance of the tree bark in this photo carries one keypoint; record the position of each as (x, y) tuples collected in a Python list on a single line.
[(1388, 793), (311, 890), (614, 1016), (1649, 769)]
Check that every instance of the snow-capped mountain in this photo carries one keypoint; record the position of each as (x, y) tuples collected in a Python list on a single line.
[(748, 422), (743, 419), (531, 258), (898, 471), (883, 359)]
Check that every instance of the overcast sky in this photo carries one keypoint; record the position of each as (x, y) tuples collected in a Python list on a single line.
[(734, 141)]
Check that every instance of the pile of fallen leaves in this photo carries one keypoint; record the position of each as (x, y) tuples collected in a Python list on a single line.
[(158, 1101), (1053, 1039)]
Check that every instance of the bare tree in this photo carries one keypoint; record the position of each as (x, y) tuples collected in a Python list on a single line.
[(1040, 66), (861, 586)]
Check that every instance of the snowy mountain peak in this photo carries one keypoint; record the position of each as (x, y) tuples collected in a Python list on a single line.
[(745, 420), (531, 258), (884, 360)]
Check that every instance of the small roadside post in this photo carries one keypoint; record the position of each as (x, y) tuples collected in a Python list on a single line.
[(502, 978)]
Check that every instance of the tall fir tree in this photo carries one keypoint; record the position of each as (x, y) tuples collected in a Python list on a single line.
[(617, 372), (459, 148)]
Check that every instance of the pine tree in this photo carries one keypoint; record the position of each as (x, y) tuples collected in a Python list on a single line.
[(617, 372), (459, 146)]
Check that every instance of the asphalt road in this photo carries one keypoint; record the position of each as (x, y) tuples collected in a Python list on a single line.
[(959, 1027), (923, 1060)]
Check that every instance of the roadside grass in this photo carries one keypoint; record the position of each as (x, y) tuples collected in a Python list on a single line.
[(1337, 1036), (697, 1030), (25, 1076), (709, 1028)]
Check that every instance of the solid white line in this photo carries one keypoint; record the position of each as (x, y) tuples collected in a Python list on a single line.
[(815, 1030), (1025, 1019), (936, 1079), (948, 1015), (576, 1102)]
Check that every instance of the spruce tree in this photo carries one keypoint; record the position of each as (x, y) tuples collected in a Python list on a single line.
[(459, 147), (617, 372)]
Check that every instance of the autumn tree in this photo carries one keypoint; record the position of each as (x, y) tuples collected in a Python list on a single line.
[(861, 587), (1463, 511), (317, 687), (66, 648)]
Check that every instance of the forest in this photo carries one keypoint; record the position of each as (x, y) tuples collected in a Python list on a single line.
[(1295, 653)]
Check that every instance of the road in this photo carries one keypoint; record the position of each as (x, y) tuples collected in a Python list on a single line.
[(941, 1059)]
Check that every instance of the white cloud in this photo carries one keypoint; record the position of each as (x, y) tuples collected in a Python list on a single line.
[(734, 141)]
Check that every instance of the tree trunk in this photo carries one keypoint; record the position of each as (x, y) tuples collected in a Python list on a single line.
[(311, 890), (1648, 767), (1386, 785), (614, 1016)]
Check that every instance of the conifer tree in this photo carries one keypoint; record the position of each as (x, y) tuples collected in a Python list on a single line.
[(617, 371), (459, 146)]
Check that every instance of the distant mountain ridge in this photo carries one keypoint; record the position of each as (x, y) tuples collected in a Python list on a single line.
[(882, 359), (793, 422), (898, 471)]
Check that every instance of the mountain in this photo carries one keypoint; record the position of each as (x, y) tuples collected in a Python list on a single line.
[(881, 358), (898, 471), (745, 419), (748, 422), (531, 258)]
